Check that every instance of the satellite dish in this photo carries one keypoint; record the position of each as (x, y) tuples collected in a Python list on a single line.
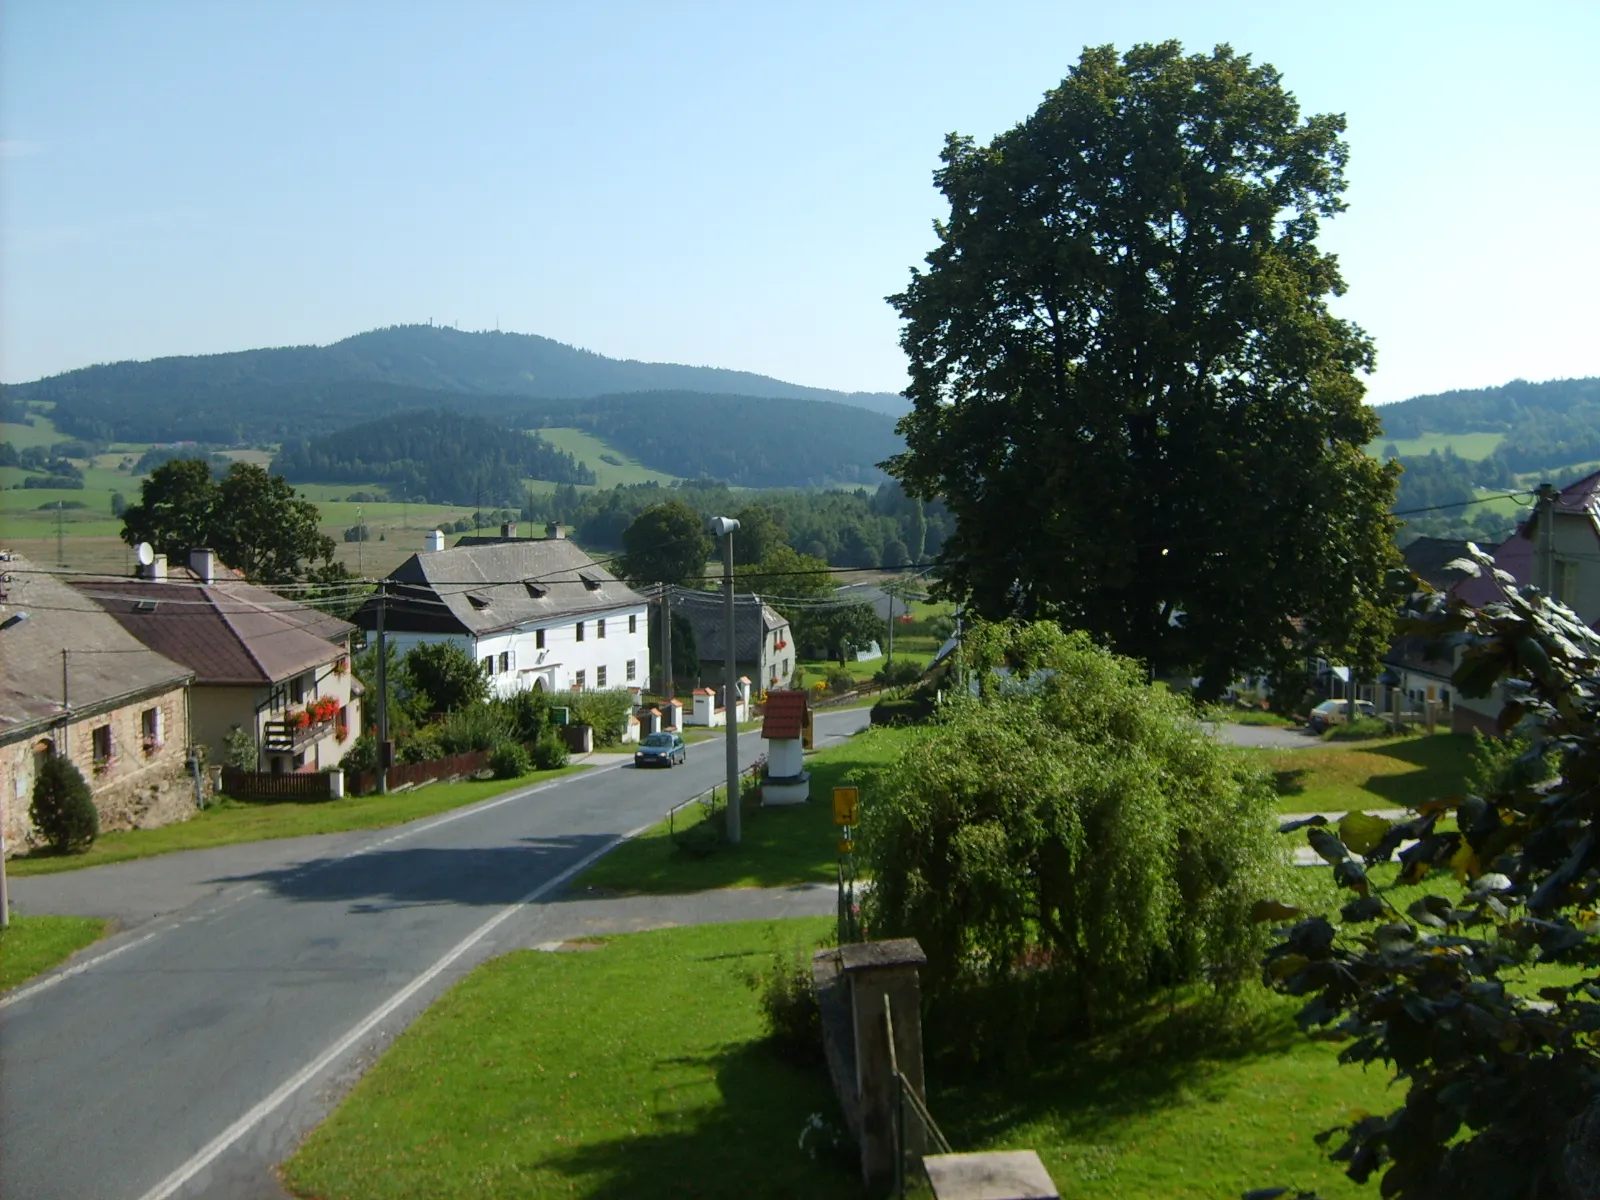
[(144, 554)]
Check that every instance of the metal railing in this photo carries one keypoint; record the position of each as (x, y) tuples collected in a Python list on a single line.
[(907, 1095)]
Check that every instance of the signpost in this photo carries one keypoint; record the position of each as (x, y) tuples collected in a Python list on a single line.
[(846, 812)]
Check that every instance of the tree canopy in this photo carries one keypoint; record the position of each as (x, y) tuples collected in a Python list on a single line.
[(253, 520), (666, 543), (1126, 382)]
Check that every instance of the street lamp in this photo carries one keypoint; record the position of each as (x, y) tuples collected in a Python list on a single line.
[(723, 527)]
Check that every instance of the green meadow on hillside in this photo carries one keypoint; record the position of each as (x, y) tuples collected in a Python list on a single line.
[(590, 449)]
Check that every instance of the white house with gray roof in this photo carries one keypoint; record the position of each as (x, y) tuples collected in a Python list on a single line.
[(537, 613)]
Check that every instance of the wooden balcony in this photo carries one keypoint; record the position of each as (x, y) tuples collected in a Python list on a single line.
[(285, 737)]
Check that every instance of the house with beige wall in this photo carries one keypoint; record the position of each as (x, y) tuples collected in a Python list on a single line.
[(262, 663), (75, 683)]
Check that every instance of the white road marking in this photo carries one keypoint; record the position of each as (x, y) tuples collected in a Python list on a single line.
[(218, 1145), (51, 980)]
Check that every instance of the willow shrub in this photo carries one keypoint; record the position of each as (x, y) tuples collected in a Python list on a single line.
[(1067, 843)]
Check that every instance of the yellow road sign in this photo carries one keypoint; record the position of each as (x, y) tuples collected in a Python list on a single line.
[(846, 846), (846, 804)]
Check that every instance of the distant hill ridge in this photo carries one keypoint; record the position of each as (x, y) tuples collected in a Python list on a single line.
[(428, 358)]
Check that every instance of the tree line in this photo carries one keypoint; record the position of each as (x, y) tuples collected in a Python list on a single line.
[(439, 457)]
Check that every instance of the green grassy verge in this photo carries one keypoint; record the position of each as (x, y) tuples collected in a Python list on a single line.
[(557, 1074), (31, 945), (779, 847), (634, 1069), (232, 821), (1398, 773)]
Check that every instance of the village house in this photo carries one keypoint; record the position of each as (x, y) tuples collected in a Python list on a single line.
[(77, 684), (536, 613), (272, 667), (763, 643)]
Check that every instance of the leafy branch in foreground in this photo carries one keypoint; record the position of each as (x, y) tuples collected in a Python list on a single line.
[(1482, 994)]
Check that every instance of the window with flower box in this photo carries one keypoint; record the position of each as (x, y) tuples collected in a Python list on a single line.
[(150, 732), (101, 738)]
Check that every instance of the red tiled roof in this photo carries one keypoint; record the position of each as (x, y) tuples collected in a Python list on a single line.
[(785, 715)]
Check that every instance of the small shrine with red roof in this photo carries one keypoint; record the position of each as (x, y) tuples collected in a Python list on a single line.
[(785, 725)]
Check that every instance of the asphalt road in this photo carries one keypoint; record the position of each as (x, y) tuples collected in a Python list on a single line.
[(251, 985)]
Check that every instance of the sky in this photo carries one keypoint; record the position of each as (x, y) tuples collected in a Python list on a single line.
[(736, 185)]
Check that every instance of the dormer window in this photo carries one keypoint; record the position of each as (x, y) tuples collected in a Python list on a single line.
[(536, 590), (478, 601), (145, 605), (591, 581)]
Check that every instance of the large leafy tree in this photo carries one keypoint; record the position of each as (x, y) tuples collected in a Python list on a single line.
[(666, 543), (252, 519), (1127, 384), (1475, 976)]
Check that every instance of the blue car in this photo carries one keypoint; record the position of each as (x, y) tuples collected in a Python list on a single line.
[(660, 750)]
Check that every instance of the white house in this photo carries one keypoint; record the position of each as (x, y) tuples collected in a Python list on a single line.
[(535, 613)]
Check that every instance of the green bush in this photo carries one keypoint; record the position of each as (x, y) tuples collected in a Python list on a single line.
[(902, 710), (421, 746), (1360, 730), (63, 808), (362, 755), (605, 712), (526, 715), (1498, 765), (789, 1006), (475, 727), (898, 674), (239, 750), (840, 680), (1069, 843), (510, 761), (445, 675), (550, 752)]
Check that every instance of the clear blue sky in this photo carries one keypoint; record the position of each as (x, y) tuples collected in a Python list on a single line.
[(734, 184)]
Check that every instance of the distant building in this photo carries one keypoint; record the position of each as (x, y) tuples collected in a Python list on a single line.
[(763, 642), (274, 667), (77, 684), (536, 613)]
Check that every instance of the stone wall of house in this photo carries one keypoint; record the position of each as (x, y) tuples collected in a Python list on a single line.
[(139, 786)]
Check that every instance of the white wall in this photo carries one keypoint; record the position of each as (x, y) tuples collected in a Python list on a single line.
[(557, 665)]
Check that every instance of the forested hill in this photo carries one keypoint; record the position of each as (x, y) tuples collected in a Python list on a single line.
[(427, 358), (441, 457), (1546, 425)]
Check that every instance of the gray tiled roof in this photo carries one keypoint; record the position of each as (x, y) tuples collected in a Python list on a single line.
[(503, 584), (227, 633), (104, 661), (705, 612)]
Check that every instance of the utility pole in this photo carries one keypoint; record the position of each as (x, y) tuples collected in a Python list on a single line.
[(66, 705), (383, 696), (666, 641), (361, 536), (61, 538), (890, 594), (724, 527)]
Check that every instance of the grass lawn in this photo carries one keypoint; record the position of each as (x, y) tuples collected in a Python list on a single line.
[(779, 846), (635, 1068), (557, 1074), (232, 821), (35, 944), (1395, 773)]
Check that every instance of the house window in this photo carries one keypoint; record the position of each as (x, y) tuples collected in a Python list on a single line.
[(150, 730), (297, 690), (538, 639), (1566, 581), (487, 664), (578, 680), (632, 666), (102, 743), (633, 626), (580, 631), (600, 627), (505, 660), (599, 677)]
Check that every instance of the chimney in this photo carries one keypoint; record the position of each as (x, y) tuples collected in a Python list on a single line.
[(204, 564), (157, 570), (435, 540), (508, 530), (554, 530)]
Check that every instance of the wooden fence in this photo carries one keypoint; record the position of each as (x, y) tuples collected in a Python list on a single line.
[(260, 785), (359, 783)]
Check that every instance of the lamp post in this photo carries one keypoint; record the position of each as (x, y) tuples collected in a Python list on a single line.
[(723, 527)]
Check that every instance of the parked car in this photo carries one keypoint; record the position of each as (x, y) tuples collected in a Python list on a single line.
[(660, 750), (1337, 712)]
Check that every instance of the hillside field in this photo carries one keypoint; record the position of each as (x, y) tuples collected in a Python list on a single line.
[(1472, 446), (588, 449)]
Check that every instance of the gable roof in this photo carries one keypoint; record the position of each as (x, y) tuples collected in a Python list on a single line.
[(784, 715), (1428, 556), (1580, 498), (227, 633), (104, 661), (495, 584), (705, 612)]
